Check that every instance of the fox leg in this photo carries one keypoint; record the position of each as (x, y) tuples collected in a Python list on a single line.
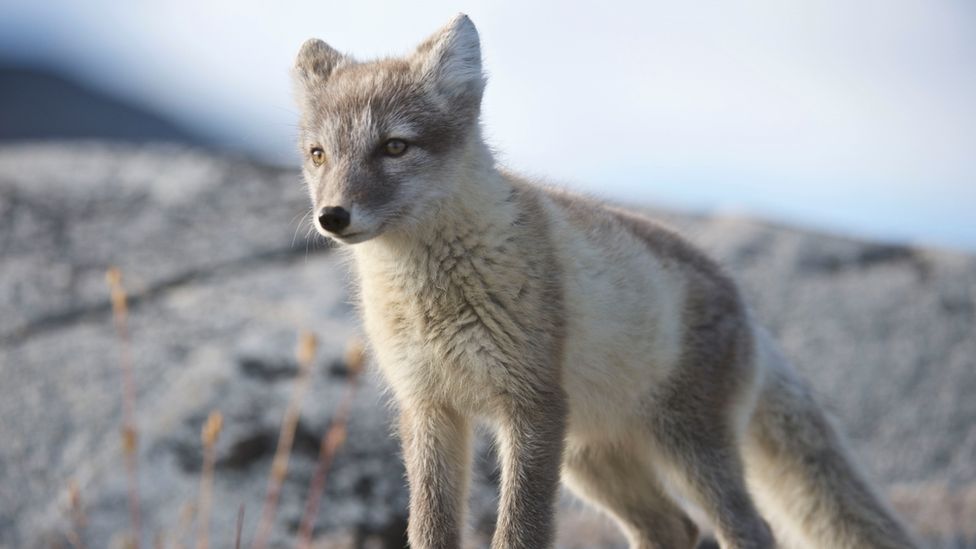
[(621, 481), (530, 441), (436, 450), (704, 459)]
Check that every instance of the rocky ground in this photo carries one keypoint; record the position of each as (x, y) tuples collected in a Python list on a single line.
[(222, 279)]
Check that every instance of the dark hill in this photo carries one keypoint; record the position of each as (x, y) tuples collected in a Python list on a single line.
[(37, 103)]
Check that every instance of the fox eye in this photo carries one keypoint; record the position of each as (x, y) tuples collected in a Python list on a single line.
[(318, 156), (395, 147)]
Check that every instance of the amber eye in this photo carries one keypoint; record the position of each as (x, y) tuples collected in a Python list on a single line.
[(318, 156), (395, 147)]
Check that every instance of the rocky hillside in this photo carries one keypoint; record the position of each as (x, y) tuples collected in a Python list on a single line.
[(222, 278)]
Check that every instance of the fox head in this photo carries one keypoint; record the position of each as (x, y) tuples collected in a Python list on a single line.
[(380, 140)]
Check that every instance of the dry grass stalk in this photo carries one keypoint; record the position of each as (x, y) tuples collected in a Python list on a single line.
[(332, 440), (76, 511), (279, 465), (208, 435), (186, 518), (130, 444), (240, 527)]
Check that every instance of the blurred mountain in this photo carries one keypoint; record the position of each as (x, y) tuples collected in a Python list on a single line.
[(221, 280), (38, 103)]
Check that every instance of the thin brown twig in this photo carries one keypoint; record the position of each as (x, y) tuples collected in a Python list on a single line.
[(332, 440), (279, 465), (183, 524), (79, 522), (240, 527), (208, 435), (130, 443)]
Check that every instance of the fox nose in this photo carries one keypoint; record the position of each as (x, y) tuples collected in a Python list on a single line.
[(334, 218)]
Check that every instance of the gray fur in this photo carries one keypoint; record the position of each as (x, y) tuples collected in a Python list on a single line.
[(602, 348), (793, 443)]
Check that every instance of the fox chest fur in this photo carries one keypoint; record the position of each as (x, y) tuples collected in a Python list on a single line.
[(491, 306), (467, 314)]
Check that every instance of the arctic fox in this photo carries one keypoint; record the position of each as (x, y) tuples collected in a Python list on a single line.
[(603, 349)]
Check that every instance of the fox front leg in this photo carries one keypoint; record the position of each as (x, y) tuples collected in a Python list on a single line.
[(530, 443), (436, 449)]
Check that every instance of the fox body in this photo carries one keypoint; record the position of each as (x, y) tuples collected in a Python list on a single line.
[(603, 349)]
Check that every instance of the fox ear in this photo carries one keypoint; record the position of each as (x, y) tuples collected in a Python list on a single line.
[(315, 62), (451, 59)]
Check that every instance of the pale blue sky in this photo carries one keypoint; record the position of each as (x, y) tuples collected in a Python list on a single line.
[(852, 116)]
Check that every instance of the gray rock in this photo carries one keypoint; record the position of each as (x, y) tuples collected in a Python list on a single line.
[(222, 280)]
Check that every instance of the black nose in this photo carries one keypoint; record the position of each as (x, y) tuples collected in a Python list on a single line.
[(334, 219)]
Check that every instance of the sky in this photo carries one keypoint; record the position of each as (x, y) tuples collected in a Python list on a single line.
[(856, 117)]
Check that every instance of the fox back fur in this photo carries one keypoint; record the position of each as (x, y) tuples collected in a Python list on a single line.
[(604, 350)]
